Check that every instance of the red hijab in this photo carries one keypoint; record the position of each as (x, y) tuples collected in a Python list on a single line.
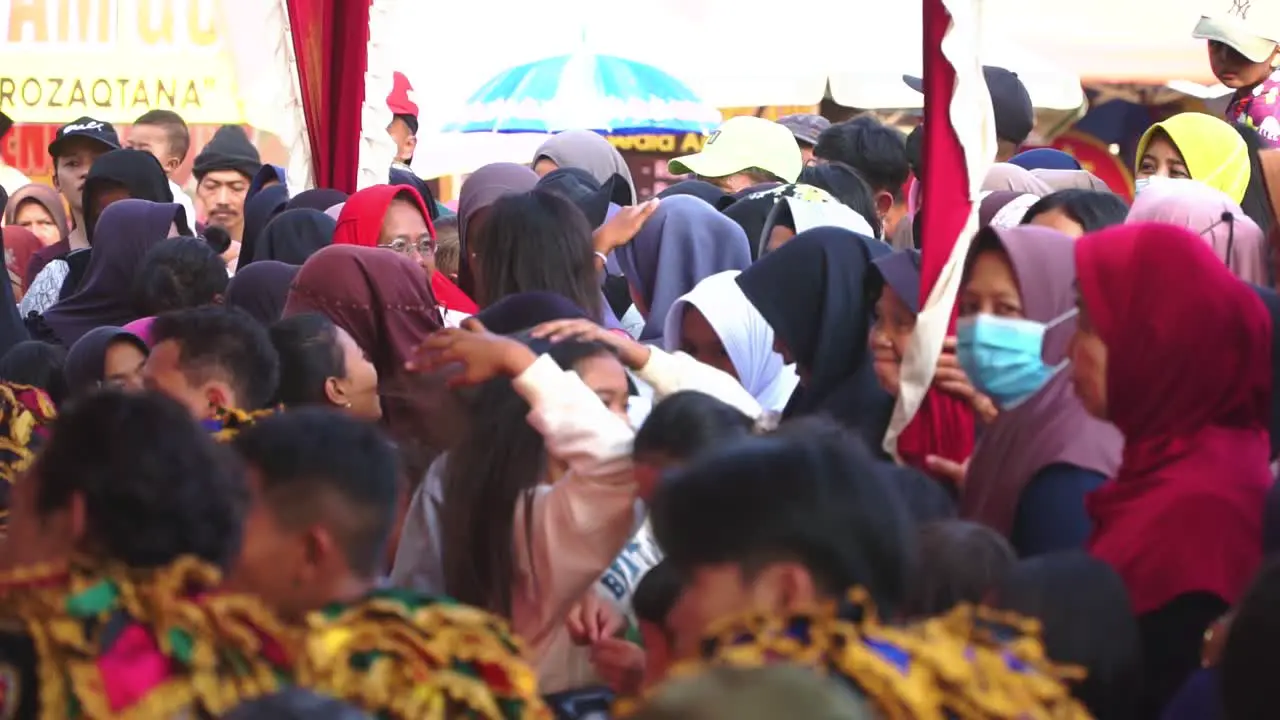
[(1188, 385), (360, 223)]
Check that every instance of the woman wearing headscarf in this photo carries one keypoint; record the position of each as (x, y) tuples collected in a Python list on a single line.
[(316, 199), (1181, 520), (114, 176), (583, 149), (1042, 454), (126, 230), (395, 218), (716, 325), (1003, 177), (1209, 213), (259, 211), (801, 207), (290, 237), (1071, 180), (37, 208), (812, 292), (261, 289), (684, 241), (380, 299), (1196, 146), (479, 191), (1004, 208), (1044, 159), (20, 244), (105, 356)]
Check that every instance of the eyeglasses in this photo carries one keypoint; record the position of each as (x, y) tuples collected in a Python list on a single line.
[(405, 247)]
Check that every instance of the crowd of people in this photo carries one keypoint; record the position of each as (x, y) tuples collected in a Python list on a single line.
[(574, 453)]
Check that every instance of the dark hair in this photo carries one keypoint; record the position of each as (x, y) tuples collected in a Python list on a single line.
[(687, 423), (154, 484), (874, 149), (846, 185), (915, 151), (657, 593), (1092, 209), (1247, 672), (925, 498), (307, 457), (309, 355), (217, 238), (216, 340), (178, 273), (1257, 201), (760, 175), (174, 125), (448, 250), (497, 465), (537, 240), (1085, 620), (817, 498), (38, 364), (960, 562)]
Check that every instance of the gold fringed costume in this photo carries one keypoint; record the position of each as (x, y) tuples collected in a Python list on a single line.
[(970, 664), (26, 414), (227, 422), (108, 641), (404, 656)]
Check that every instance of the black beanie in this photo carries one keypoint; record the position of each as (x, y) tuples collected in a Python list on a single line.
[(229, 149)]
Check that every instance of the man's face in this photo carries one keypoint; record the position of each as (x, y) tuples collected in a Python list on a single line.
[(163, 373), (221, 194), (406, 141), (154, 139), (72, 167)]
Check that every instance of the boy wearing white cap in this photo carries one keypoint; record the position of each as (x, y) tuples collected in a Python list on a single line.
[(1244, 52), (742, 152)]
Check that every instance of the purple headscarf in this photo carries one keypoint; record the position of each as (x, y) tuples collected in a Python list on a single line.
[(125, 231), (1208, 212), (1051, 426), (261, 289), (683, 242), (522, 311)]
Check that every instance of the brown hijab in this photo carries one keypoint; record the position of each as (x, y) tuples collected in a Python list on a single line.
[(48, 198), (383, 300), (1051, 426)]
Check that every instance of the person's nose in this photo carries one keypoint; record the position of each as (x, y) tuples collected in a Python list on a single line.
[(224, 196)]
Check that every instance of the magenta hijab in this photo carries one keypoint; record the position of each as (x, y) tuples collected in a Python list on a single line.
[(1051, 426), (1208, 212)]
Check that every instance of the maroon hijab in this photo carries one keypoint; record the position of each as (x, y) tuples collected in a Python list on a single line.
[(1051, 426)]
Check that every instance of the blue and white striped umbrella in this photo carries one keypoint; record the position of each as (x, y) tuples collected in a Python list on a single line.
[(585, 91)]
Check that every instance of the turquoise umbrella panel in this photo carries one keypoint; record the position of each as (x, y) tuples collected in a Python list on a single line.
[(594, 92)]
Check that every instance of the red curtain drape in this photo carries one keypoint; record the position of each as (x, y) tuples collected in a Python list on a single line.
[(944, 424), (330, 40)]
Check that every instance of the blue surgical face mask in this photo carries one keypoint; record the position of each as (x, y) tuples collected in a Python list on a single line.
[(1003, 357), (1143, 183)]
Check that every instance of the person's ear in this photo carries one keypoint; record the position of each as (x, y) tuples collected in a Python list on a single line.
[(884, 203), (318, 546), (411, 144), (77, 518), (335, 393), (56, 185), (219, 396), (783, 588)]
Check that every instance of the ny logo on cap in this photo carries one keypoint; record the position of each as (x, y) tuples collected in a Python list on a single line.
[(713, 137), (1241, 8)]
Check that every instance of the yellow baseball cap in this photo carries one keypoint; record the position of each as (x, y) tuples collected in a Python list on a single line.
[(744, 142), (1252, 28)]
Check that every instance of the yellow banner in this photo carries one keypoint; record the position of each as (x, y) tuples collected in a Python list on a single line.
[(114, 60)]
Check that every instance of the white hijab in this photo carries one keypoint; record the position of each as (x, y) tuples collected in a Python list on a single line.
[(747, 338)]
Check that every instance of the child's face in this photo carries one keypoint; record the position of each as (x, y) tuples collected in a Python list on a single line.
[(154, 139)]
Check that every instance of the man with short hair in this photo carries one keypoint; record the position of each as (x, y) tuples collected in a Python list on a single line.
[(1015, 116), (404, 118), (74, 148), (164, 133), (744, 151), (224, 169), (878, 152), (212, 359)]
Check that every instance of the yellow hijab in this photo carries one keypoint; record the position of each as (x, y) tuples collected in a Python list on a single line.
[(1214, 152)]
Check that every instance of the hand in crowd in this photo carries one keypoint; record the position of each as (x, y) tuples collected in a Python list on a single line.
[(1215, 641), (632, 354), (948, 469), (480, 354), (620, 664), (623, 226), (593, 618), (951, 378)]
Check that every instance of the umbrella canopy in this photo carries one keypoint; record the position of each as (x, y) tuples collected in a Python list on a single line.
[(585, 91)]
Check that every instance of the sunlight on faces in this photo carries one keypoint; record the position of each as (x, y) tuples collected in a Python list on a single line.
[(1235, 70), (221, 194), (122, 366), (889, 337), (1163, 159), (163, 373), (155, 140), (1056, 219), (606, 377), (72, 167), (701, 342), (405, 230), (991, 287), (1088, 355), (357, 393), (32, 216)]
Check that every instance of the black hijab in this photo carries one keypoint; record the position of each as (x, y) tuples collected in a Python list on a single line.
[(259, 211), (292, 237), (261, 289), (812, 293), (400, 176), (708, 193), (316, 199)]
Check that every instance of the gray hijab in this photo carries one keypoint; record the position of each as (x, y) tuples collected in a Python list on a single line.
[(481, 189), (588, 151), (683, 242)]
